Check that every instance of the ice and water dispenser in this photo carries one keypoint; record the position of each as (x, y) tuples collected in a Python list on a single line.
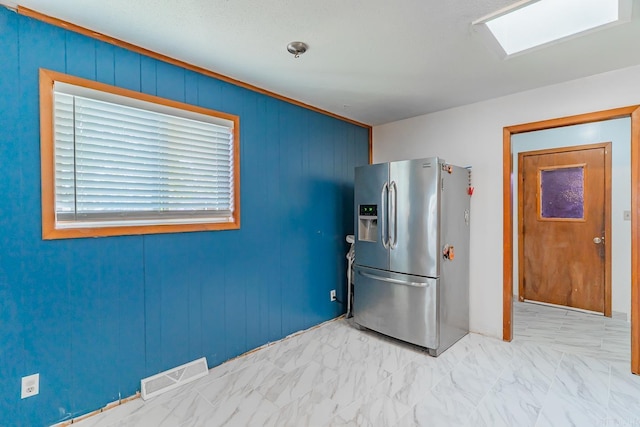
[(368, 223)]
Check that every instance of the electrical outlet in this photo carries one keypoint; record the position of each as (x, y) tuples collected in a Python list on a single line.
[(332, 295), (30, 386)]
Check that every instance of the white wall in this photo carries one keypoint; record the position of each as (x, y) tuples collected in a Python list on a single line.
[(472, 135)]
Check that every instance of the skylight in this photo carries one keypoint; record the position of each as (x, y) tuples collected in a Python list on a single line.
[(529, 24)]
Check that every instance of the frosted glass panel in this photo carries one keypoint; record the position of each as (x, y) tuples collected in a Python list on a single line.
[(562, 193)]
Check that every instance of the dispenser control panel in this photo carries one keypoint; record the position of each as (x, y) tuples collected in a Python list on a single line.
[(368, 210), (368, 223)]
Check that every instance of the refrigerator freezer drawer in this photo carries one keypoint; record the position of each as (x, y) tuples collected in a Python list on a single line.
[(397, 305)]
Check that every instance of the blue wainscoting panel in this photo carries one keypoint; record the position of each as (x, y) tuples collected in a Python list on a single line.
[(105, 63), (212, 265), (148, 80), (44, 272), (163, 252), (126, 69), (81, 58), (270, 221), (170, 81), (12, 365), (95, 316), (126, 336), (191, 79)]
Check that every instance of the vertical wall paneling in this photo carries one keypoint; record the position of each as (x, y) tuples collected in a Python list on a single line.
[(267, 238), (126, 69), (253, 201), (47, 326), (81, 58), (125, 276), (94, 316), (209, 93), (148, 80), (287, 231), (180, 287), (152, 314), (334, 236), (211, 261), (270, 222), (90, 326), (12, 357), (91, 302), (234, 246), (323, 193), (293, 248), (162, 253), (105, 63), (340, 246), (125, 279), (195, 328), (302, 284), (193, 298), (315, 146), (40, 46), (191, 88), (233, 256), (347, 175), (212, 264), (170, 81)]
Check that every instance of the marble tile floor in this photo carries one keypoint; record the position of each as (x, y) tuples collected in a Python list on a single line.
[(563, 368)]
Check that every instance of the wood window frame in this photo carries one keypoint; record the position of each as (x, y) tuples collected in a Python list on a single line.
[(47, 158), (539, 193), (507, 213)]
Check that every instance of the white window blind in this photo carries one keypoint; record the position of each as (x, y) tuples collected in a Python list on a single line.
[(118, 164)]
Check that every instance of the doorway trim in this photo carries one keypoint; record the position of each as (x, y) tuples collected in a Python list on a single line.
[(507, 214)]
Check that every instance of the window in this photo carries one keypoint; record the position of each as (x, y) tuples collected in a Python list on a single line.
[(527, 24), (561, 193), (119, 162)]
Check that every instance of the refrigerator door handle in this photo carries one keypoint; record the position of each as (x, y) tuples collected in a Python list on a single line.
[(395, 281), (393, 189), (383, 214)]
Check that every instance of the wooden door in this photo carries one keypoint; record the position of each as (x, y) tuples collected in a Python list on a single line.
[(564, 209)]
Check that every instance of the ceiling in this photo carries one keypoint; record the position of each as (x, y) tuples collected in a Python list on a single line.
[(373, 61)]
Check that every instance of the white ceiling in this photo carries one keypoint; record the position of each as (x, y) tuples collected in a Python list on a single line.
[(374, 61)]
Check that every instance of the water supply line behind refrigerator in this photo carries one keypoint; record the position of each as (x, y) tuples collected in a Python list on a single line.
[(351, 256)]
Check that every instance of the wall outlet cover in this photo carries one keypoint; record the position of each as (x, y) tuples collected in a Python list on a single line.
[(30, 386)]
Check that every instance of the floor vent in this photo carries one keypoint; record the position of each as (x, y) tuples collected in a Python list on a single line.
[(173, 378)]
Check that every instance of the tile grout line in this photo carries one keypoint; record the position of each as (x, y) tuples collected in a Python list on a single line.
[(486, 394), (548, 394), (606, 418)]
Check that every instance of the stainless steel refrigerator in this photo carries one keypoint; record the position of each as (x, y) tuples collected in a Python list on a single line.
[(411, 274)]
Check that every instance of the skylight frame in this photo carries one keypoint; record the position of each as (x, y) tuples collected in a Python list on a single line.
[(483, 24)]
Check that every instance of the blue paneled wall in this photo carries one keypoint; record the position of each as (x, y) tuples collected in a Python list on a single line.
[(94, 316)]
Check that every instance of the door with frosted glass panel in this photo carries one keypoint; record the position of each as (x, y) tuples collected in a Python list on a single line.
[(564, 207)]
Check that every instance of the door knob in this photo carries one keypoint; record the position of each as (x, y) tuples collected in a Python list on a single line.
[(598, 240)]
